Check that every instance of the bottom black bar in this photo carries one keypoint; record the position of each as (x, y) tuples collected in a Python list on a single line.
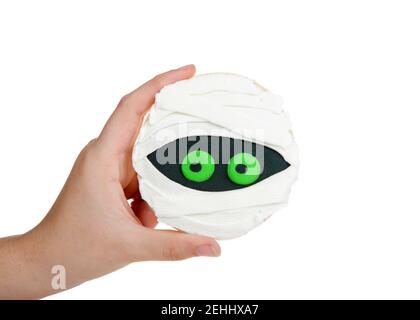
[(209, 309)]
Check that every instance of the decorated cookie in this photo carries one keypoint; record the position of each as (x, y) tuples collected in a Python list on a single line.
[(215, 155)]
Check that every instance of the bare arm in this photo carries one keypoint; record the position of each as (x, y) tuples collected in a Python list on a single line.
[(92, 229)]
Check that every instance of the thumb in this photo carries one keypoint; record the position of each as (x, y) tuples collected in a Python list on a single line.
[(174, 245)]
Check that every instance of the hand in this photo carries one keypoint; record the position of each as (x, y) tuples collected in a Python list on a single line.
[(92, 229)]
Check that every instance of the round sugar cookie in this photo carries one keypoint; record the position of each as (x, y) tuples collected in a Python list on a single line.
[(215, 155)]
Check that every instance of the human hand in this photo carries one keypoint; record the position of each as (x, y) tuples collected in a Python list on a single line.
[(92, 229)]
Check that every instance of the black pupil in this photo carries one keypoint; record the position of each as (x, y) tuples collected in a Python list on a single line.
[(195, 167), (240, 168)]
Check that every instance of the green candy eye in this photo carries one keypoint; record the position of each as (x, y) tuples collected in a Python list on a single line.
[(198, 166), (243, 169)]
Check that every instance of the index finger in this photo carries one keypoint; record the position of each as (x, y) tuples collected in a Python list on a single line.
[(121, 128)]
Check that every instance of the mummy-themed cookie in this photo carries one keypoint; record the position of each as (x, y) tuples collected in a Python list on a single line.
[(215, 155)]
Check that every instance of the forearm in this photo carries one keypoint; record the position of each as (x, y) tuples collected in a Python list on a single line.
[(47, 260), (24, 272), (93, 229), (30, 263)]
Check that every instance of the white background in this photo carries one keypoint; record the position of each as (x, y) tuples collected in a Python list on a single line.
[(349, 73)]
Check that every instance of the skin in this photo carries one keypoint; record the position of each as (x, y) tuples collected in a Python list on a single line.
[(99, 222)]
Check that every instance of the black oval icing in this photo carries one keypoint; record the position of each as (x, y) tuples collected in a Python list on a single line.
[(168, 158)]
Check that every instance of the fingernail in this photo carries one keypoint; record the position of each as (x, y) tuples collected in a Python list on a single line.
[(207, 250), (185, 67)]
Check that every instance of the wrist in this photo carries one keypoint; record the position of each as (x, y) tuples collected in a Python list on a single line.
[(20, 276), (32, 273)]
